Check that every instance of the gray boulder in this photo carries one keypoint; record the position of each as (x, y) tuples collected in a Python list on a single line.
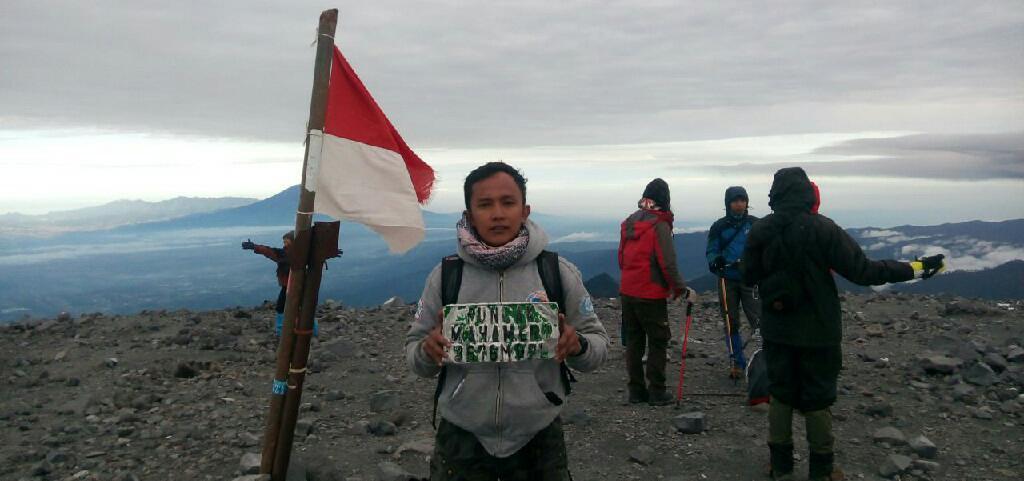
[(924, 447), (690, 423), (890, 435)]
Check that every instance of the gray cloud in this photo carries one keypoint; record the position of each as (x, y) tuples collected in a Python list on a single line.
[(527, 73), (951, 157), (958, 157)]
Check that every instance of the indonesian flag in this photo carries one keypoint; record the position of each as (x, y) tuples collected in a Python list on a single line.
[(361, 169)]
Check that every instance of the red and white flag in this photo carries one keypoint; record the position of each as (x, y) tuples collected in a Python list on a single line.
[(361, 169)]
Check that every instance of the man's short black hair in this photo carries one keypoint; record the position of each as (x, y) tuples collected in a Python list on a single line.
[(486, 171), (290, 235)]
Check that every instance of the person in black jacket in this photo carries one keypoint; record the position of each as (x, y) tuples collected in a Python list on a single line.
[(791, 255)]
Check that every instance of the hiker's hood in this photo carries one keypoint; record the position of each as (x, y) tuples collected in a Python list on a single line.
[(791, 191), (731, 194)]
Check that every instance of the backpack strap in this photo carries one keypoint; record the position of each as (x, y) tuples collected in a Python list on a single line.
[(551, 277), (451, 282), (722, 246), (451, 279)]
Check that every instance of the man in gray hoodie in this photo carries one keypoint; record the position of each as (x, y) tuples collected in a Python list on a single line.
[(500, 420)]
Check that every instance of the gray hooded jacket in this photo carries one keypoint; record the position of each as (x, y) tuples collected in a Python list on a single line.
[(504, 404)]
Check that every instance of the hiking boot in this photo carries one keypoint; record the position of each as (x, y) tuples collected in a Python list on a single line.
[(821, 468), (782, 461), (660, 398), (637, 397), (835, 475)]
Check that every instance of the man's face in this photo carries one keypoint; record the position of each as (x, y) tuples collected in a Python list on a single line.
[(287, 243), (497, 210), (738, 206)]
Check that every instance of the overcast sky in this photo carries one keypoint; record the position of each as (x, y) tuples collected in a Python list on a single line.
[(908, 113)]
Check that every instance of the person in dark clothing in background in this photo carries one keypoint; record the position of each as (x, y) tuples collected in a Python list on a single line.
[(726, 240), (650, 276), (280, 257), (790, 254)]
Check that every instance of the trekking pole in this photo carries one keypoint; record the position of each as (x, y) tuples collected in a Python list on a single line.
[(682, 365), (728, 322)]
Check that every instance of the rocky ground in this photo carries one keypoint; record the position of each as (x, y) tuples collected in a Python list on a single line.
[(182, 396)]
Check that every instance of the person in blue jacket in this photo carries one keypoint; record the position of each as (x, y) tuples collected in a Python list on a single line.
[(726, 240)]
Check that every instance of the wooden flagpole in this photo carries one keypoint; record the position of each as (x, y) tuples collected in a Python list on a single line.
[(299, 253), (324, 246)]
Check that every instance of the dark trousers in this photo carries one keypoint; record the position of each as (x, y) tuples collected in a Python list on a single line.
[(736, 294), (646, 328), (459, 456), (281, 297)]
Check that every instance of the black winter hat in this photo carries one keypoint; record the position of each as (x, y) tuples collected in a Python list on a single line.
[(657, 190)]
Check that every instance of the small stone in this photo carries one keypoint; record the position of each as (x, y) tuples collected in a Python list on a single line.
[(42, 468), (424, 446), (250, 463), (874, 330), (110, 362), (923, 447), (983, 413), (940, 364), (1015, 353), (388, 471), (689, 423), (253, 477), (979, 374), (995, 361), (400, 417), (894, 464), (304, 427), (889, 435), (880, 409), (57, 457), (72, 382), (383, 401), (962, 391), (926, 466), (393, 302), (185, 371), (335, 395), (382, 428), (1010, 406), (577, 416), (643, 455)]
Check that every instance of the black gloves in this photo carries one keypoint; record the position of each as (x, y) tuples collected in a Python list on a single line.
[(717, 265), (248, 245), (926, 267), (932, 265)]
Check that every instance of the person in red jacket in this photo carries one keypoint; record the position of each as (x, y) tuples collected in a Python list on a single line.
[(650, 276)]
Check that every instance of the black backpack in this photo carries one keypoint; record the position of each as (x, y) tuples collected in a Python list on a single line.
[(757, 379), (550, 276)]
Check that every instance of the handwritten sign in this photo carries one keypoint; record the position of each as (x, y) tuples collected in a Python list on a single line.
[(501, 332)]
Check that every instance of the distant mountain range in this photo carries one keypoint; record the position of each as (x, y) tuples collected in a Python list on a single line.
[(113, 214), (195, 261)]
